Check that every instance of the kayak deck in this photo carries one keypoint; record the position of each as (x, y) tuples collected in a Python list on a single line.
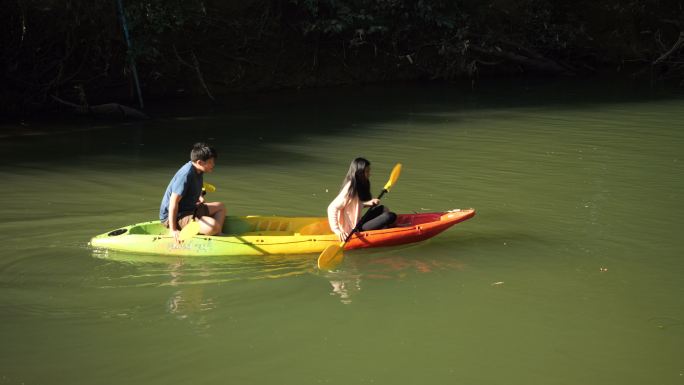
[(259, 235)]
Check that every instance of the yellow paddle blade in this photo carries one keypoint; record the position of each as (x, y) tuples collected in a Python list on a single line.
[(208, 187), (331, 257), (393, 176), (189, 231)]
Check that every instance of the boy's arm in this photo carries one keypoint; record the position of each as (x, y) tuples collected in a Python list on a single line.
[(173, 213)]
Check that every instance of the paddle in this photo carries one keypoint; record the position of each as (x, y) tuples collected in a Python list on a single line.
[(333, 255), (208, 187), (192, 228), (189, 231)]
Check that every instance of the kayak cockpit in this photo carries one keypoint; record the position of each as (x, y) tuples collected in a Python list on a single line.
[(281, 226)]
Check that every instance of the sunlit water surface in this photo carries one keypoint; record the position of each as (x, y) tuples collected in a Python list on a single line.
[(571, 272)]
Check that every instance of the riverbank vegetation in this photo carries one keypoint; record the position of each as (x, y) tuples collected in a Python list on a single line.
[(75, 50)]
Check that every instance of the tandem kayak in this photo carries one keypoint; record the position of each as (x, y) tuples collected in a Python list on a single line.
[(261, 235)]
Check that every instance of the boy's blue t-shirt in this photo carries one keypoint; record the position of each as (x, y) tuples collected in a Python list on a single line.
[(188, 184)]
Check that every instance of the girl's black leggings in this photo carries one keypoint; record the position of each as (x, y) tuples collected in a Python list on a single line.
[(378, 218)]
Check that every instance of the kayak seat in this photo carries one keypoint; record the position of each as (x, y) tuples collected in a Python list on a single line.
[(140, 230), (316, 228)]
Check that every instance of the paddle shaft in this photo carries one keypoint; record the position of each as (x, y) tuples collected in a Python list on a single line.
[(361, 221)]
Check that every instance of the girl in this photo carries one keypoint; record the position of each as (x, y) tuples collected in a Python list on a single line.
[(345, 210)]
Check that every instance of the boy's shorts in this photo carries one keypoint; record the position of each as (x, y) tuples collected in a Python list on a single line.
[(202, 210)]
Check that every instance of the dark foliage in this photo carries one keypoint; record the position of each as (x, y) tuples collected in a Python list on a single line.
[(75, 50)]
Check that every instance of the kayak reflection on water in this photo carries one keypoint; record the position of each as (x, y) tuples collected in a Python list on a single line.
[(346, 281), (192, 274)]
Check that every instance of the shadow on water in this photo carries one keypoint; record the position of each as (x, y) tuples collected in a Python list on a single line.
[(248, 130)]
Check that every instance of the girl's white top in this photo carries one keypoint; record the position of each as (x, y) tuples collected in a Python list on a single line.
[(343, 212)]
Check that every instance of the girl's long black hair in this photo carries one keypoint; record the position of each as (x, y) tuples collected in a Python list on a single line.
[(360, 185)]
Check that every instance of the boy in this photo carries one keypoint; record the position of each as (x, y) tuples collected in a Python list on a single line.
[(183, 199)]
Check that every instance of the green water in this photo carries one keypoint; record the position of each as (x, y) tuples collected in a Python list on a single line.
[(570, 273)]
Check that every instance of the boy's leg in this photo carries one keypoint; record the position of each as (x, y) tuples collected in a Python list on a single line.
[(211, 221), (207, 225)]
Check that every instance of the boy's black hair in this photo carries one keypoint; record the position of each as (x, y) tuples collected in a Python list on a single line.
[(202, 151)]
